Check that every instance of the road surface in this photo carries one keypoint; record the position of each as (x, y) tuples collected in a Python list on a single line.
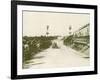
[(57, 58)]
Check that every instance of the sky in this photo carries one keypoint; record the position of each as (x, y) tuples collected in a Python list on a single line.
[(35, 23)]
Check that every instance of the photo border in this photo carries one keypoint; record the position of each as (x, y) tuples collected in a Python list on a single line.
[(14, 70)]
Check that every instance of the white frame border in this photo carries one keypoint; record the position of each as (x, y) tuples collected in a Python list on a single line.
[(21, 71)]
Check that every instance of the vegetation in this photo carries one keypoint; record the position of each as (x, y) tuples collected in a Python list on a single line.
[(34, 45), (68, 41)]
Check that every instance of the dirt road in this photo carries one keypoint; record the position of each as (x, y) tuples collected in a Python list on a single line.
[(58, 58)]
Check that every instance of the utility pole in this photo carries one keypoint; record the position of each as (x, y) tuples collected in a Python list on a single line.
[(70, 28), (47, 32)]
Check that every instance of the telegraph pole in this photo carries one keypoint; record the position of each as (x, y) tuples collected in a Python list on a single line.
[(70, 30), (47, 32)]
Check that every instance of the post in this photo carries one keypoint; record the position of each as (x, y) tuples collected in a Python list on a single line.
[(47, 33)]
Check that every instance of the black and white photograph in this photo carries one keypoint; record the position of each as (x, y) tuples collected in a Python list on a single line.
[(55, 40)]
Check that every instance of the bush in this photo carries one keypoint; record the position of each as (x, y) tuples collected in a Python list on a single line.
[(32, 49), (45, 44), (68, 40)]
